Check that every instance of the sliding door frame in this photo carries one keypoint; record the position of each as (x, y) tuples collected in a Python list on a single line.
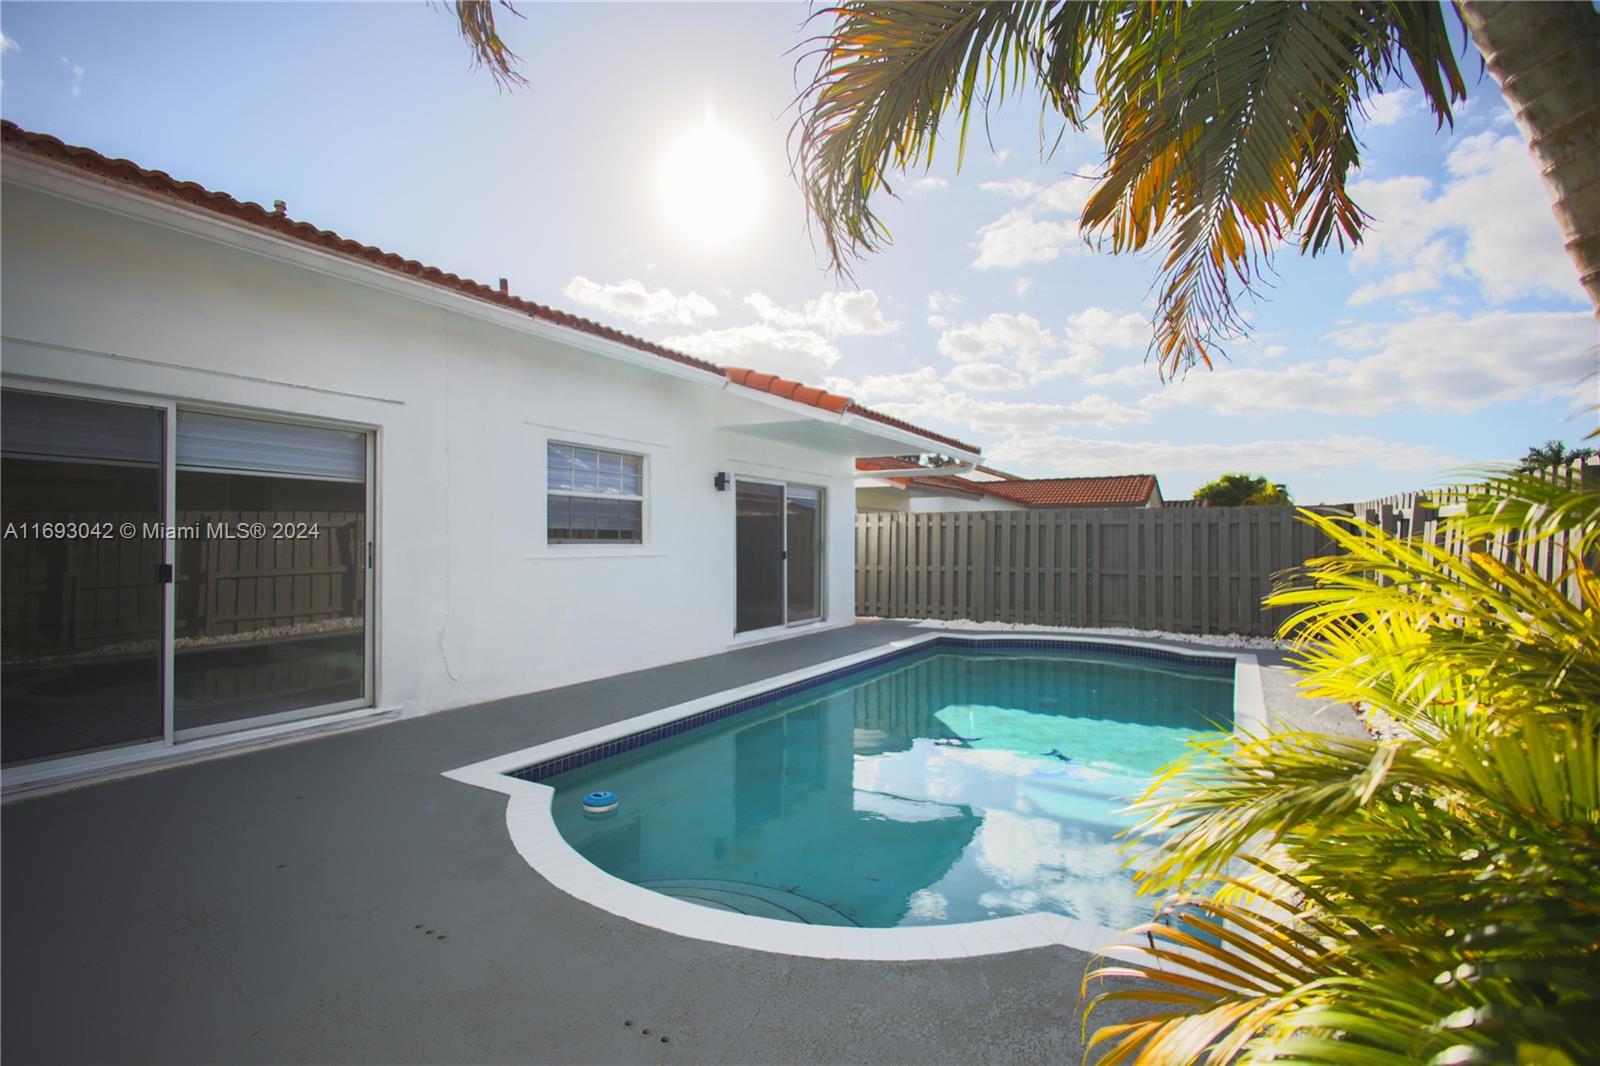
[(783, 582), (171, 736)]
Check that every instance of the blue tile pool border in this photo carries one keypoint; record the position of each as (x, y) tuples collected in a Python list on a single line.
[(540, 771)]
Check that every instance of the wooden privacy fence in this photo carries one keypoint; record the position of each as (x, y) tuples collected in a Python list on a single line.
[(1419, 514), (1184, 570), (65, 595)]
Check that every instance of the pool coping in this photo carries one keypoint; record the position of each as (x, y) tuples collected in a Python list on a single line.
[(531, 825)]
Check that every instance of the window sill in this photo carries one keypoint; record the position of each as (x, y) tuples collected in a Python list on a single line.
[(583, 551)]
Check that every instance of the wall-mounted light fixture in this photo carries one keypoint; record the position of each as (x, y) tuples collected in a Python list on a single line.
[(721, 482)]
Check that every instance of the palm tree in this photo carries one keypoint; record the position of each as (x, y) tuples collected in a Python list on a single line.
[(1429, 896), (1229, 126), (1552, 453)]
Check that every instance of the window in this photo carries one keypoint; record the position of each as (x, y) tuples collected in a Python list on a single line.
[(595, 496)]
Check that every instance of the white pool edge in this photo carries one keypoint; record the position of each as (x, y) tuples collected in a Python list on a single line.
[(532, 827)]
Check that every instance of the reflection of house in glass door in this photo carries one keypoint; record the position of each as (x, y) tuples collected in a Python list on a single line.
[(779, 554), (171, 574)]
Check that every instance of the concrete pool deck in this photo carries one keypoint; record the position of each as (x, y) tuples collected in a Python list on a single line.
[(338, 900)]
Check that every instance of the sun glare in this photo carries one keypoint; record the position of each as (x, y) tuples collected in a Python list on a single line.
[(710, 186)]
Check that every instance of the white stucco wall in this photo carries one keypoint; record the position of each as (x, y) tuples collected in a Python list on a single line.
[(941, 504), (471, 602)]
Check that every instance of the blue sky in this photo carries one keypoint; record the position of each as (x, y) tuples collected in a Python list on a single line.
[(1456, 335)]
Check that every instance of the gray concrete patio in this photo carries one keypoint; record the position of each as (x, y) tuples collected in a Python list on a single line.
[(265, 908)]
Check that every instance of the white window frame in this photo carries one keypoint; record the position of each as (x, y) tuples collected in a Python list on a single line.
[(642, 499)]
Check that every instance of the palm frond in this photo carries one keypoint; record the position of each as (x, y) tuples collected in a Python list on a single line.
[(476, 21), (1228, 124), (1228, 131), (886, 75)]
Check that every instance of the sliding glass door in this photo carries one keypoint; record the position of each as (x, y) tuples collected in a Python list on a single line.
[(170, 574), (81, 624), (271, 599), (803, 529), (778, 544), (760, 554)]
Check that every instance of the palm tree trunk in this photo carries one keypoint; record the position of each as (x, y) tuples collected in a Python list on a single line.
[(1546, 57)]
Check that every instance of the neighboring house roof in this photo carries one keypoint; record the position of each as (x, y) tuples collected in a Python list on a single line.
[(1001, 474), (1186, 503), (887, 463), (945, 483), (1123, 490), (158, 183)]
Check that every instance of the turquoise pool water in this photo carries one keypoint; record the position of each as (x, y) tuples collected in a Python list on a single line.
[(856, 803)]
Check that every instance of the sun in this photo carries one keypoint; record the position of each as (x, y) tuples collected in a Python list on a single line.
[(711, 186)]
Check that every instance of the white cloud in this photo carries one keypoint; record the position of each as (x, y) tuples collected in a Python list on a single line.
[(938, 321), (915, 386), (8, 45), (999, 338), (1437, 361), (986, 376), (1491, 218), (1386, 109), (922, 398), (1027, 234), (1428, 267), (1023, 285), (929, 184), (942, 301), (799, 354), (1108, 329), (1017, 238), (837, 314), (77, 75), (1128, 374), (1294, 459), (632, 299), (1017, 188), (1067, 195)]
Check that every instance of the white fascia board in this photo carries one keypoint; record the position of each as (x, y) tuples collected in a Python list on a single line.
[(897, 439), (108, 195)]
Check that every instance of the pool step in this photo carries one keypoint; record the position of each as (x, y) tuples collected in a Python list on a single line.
[(746, 897)]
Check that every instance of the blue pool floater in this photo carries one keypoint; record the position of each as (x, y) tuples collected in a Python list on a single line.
[(600, 802)]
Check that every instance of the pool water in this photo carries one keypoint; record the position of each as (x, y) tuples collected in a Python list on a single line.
[(919, 792)]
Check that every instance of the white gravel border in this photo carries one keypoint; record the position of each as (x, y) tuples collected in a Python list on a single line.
[(1214, 640), (533, 832)]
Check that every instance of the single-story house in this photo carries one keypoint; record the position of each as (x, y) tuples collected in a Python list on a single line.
[(903, 484), (259, 478)]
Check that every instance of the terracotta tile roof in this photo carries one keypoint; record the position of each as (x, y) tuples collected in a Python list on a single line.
[(886, 463), (1123, 490), (161, 185), (1126, 490), (950, 484), (832, 401), (889, 465)]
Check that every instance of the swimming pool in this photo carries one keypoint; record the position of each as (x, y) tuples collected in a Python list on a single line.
[(950, 796)]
